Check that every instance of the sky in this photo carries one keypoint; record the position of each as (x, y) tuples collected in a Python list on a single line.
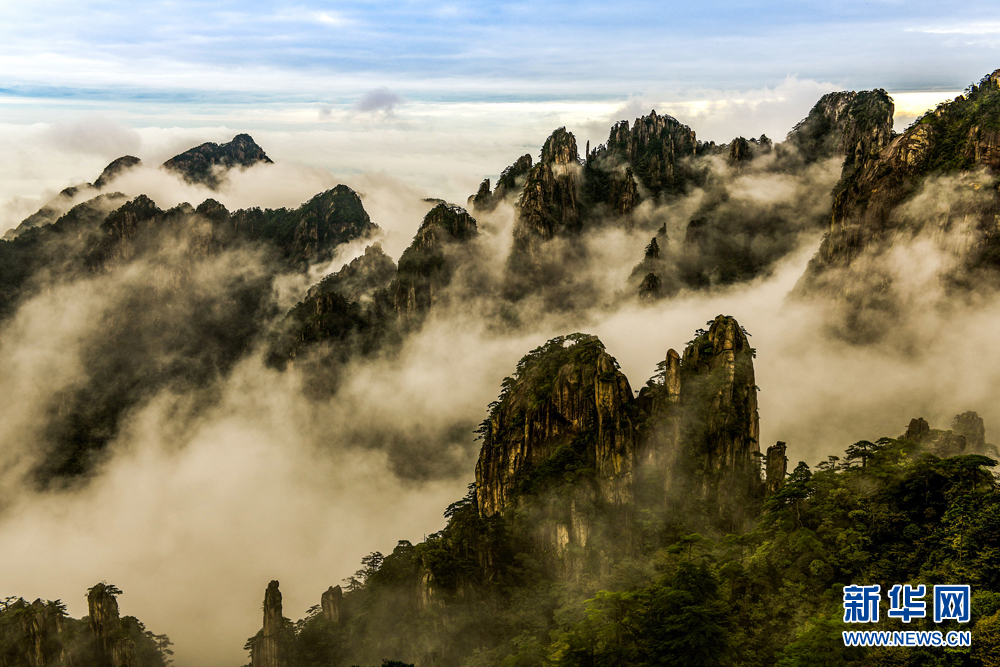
[(441, 94)]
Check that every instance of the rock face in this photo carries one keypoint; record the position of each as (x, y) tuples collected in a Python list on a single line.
[(704, 427), (116, 648), (271, 646), (424, 267), (856, 125), (568, 400), (568, 407), (40, 634), (875, 210), (332, 604), (655, 147), (970, 426), (967, 436), (326, 221), (917, 430), (31, 634), (777, 467), (548, 205), (207, 164), (739, 151)]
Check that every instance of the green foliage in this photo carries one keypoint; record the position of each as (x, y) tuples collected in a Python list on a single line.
[(481, 593)]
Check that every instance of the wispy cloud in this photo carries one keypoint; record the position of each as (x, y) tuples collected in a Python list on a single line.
[(972, 28)]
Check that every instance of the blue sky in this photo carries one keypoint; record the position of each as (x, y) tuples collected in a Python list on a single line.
[(441, 95), (223, 52)]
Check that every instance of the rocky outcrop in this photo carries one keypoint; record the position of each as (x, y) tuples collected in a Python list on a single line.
[(703, 427), (653, 277), (624, 197), (312, 232), (856, 125), (567, 403), (32, 634), (483, 199), (116, 648), (548, 205), (777, 467), (970, 426), (560, 148), (655, 147), (208, 163), (332, 604), (510, 184), (569, 400), (116, 169), (917, 429), (940, 157), (426, 266), (967, 436), (360, 278), (40, 634), (271, 647), (739, 151), (122, 236)]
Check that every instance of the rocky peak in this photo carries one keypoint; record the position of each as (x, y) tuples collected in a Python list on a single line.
[(326, 221), (206, 164), (856, 125), (271, 646), (870, 213), (739, 151), (121, 232), (967, 436), (425, 267), (654, 147), (777, 467), (917, 429), (548, 207), (567, 401), (332, 604), (116, 648), (510, 179), (510, 183), (483, 199), (560, 148), (360, 278), (116, 169), (704, 427), (970, 424)]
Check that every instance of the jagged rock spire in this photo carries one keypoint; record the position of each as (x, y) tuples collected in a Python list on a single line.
[(271, 646)]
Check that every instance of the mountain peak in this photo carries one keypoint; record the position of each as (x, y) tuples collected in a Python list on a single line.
[(115, 169), (206, 164)]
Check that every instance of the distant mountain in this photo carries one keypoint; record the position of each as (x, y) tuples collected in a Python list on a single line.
[(71, 196), (206, 164), (202, 301)]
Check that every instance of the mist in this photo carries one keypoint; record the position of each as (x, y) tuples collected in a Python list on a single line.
[(207, 493)]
